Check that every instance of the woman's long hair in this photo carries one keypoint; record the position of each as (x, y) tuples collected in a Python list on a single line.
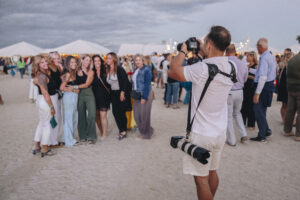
[(36, 65), (67, 68), (115, 60), (82, 57), (102, 65)]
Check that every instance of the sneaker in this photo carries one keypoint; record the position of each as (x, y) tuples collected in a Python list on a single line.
[(289, 134), (232, 145), (297, 139), (258, 139), (244, 139)]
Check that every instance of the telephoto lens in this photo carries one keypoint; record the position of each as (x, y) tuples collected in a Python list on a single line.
[(196, 152)]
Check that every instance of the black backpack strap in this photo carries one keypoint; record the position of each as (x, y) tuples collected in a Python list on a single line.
[(212, 72), (232, 74)]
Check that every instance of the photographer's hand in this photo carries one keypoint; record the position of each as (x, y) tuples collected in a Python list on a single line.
[(184, 48)]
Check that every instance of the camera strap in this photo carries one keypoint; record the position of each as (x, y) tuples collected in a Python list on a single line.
[(213, 70)]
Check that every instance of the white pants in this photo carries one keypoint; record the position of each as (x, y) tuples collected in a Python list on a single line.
[(234, 102), (42, 133), (55, 132), (33, 90)]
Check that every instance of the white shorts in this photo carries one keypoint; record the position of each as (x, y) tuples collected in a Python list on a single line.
[(215, 145)]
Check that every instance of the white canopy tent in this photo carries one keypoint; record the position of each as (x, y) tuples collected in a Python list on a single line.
[(132, 49), (81, 47), (21, 49)]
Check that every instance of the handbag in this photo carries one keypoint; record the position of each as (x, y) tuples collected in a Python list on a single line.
[(136, 95), (53, 122)]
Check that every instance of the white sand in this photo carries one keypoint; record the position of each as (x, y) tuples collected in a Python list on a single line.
[(134, 169)]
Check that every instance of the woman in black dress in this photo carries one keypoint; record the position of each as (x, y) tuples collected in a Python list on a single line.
[(101, 91), (247, 106), (282, 93)]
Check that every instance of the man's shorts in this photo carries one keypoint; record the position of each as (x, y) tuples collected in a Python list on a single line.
[(215, 145), (159, 74)]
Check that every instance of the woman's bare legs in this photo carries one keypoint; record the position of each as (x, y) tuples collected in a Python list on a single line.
[(98, 121), (104, 124)]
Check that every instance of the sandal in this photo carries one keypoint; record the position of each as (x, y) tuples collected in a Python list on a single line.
[(77, 144), (92, 141), (35, 151), (47, 153), (121, 136)]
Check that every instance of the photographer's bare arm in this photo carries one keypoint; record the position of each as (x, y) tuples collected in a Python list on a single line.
[(176, 68)]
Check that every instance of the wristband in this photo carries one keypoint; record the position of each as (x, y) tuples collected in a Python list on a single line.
[(75, 87), (51, 107), (183, 52)]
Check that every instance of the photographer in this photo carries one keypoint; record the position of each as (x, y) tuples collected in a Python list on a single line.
[(210, 122)]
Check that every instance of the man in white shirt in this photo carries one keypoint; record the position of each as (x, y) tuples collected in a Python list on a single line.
[(235, 98), (156, 60), (210, 123)]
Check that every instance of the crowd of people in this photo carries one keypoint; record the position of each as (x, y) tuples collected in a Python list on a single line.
[(77, 93)]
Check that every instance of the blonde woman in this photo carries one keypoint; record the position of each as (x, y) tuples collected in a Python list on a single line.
[(70, 100), (141, 79), (45, 106), (55, 68), (247, 106), (86, 101), (120, 92)]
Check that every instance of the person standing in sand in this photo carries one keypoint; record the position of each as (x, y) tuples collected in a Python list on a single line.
[(120, 92), (209, 127), (264, 84), (101, 91), (86, 101), (70, 100), (45, 107), (55, 68), (143, 101)]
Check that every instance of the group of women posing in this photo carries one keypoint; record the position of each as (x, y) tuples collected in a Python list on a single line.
[(82, 94)]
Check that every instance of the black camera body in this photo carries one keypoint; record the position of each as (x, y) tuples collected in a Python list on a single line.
[(192, 45), (196, 152)]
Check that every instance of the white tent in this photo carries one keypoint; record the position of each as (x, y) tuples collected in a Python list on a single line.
[(150, 48), (82, 47), (21, 48), (132, 49), (295, 48)]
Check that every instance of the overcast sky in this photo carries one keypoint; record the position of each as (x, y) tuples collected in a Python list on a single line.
[(52, 23)]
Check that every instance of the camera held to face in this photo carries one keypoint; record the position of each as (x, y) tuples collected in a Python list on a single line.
[(192, 44), (196, 152)]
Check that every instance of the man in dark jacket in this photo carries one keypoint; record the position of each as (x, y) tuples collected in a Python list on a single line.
[(293, 87)]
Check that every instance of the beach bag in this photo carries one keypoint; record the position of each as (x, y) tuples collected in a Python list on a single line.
[(136, 95)]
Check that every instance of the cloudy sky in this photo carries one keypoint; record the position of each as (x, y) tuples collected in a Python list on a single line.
[(49, 24)]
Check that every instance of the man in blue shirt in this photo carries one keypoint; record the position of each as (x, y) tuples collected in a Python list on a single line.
[(264, 82)]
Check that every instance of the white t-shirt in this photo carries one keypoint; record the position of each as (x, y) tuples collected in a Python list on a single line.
[(211, 117), (165, 71), (134, 78), (158, 61)]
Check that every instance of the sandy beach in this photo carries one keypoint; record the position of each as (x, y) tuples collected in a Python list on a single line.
[(135, 169)]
